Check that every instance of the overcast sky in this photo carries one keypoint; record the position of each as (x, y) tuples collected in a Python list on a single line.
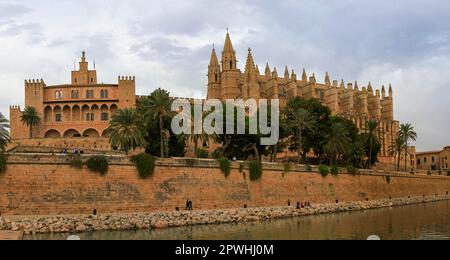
[(168, 43)]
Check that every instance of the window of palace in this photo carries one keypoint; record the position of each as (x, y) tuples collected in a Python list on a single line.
[(89, 93), (75, 80), (418, 162), (92, 80), (59, 94), (75, 94), (105, 116), (425, 160), (104, 93), (90, 117), (432, 159), (58, 117)]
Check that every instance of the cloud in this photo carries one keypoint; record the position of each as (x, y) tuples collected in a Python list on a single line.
[(167, 44)]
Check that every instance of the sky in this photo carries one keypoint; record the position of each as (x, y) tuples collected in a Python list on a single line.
[(168, 44)]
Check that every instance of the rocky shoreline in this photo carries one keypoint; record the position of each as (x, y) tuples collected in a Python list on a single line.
[(161, 220)]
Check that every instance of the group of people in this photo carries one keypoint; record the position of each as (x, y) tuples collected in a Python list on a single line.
[(301, 205)]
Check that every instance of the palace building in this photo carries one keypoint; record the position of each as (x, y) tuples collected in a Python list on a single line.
[(80, 109), (227, 81)]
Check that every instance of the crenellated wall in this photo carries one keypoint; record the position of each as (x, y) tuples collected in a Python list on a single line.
[(41, 185)]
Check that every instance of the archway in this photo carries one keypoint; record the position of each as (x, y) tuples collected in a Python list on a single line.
[(113, 110), (91, 133), (52, 134), (95, 110), (48, 114), (76, 116), (71, 133), (107, 133), (66, 114)]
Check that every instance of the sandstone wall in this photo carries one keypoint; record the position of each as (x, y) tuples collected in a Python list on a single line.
[(39, 185)]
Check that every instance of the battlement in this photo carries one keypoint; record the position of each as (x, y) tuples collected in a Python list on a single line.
[(127, 78), (16, 108), (34, 82)]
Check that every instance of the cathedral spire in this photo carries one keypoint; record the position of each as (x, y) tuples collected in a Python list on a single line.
[(250, 65), (275, 73), (257, 70), (327, 79), (286, 73), (214, 61), (370, 88), (391, 92), (383, 92), (304, 76), (267, 71), (356, 86), (229, 61), (293, 76)]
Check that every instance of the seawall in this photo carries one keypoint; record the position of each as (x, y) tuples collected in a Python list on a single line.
[(47, 185)]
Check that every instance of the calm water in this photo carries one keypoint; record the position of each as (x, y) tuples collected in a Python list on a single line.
[(426, 221)]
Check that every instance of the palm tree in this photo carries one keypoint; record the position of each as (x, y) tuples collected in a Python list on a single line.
[(371, 136), (337, 141), (356, 153), (31, 118), (4, 134), (126, 132), (407, 133), (158, 107), (396, 149), (195, 137), (301, 120)]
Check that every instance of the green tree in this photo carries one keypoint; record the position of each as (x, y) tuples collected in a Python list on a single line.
[(300, 120), (371, 137), (408, 134), (396, 149), (157, 106), (336, 142), (126, 130), (355, 153), (4, 133), (197, 138), (31, 118)]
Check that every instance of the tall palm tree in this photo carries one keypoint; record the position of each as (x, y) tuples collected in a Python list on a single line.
[(356, 153), (371, 128), (337, 141), (158, 107), (300, 120), (407, 133), (196, 138), (126, 132), (31, 118), (4, 134), (396, 149)]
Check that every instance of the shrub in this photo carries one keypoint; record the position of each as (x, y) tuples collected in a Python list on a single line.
[(308, 168), (76, 162), (287, 167), (145, 164), (335, 170), (3, 163), (352, 170), (98, 164), (225, 166), (255, 169), (388, 179), (429, 173), (217, 153), (202, 154), (324, 170)]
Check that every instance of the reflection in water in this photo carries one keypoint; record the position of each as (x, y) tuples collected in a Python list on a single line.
[(424, 221)]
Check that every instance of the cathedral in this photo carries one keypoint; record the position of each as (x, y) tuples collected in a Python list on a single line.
[(227, 81)]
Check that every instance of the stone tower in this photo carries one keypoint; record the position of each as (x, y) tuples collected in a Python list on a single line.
[(214, 77), (231, 87)]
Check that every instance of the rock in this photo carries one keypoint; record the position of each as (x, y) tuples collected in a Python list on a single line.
[(81, 228), (161, 224)]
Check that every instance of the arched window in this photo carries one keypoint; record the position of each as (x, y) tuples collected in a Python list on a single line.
[(59, 94), (231, 64), (75, 94), (217, 78), (89, 93), (105, 116), (104, 93)]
